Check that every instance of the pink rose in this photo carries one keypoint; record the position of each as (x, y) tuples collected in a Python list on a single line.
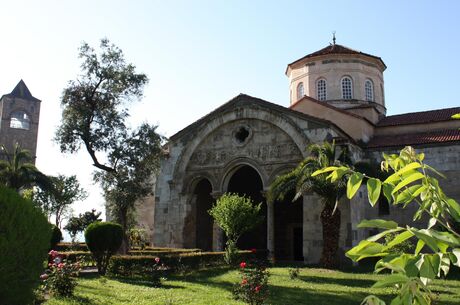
[(242, 265), (244, 282), (44, 276), (60, 265), (257, 289), (157, 260)]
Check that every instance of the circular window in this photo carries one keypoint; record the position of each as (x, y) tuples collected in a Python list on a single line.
[(241, 135)]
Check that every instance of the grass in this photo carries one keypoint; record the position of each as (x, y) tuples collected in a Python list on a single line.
[(213, 287)]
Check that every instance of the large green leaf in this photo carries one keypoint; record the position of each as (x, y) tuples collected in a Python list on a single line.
[(353, 184), (373, 190), (366, 249), (456, 116), (454, 209), (387, 189), (455, 257), (378, 223), (410, 193), (396, 176), (391, 280), (399, 239), (338, 173), (408, 180), (324, 170)]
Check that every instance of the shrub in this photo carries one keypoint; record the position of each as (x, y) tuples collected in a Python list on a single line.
[(103, 240), (56, 236), (24, 242), (253, 287), (294, 273), (235, 215), (66, 247), (60, 277)]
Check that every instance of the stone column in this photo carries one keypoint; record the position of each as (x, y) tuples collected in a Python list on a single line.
[(217, 232), (270, 227)]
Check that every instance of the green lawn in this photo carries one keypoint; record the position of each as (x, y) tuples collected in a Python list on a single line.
[(213, 287)]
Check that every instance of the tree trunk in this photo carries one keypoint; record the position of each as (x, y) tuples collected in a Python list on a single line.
[(331, 234), (124, 248)]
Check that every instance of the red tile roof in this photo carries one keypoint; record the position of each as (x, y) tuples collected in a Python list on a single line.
[(438, 115), (441, 136), (336, 49)]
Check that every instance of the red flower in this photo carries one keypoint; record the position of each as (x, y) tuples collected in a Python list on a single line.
[(53, 253), (253, 250), (60, 265), (257, 289), (244, 282), (242, 265)]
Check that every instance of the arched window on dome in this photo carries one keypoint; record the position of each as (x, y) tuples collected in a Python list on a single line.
[(300, 91), (20, 120), (347, 88), (369, 90), (321, 90)]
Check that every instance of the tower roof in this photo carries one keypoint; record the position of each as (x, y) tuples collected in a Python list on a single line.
[(21, 91), (337, 49)]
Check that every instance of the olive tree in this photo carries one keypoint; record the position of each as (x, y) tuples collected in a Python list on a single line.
[(95, 108), (235, 215)]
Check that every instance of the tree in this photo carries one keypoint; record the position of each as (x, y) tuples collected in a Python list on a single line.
[(412, 182), (235, 215), (95, 108), (79, 224), (301, 181), (57, 200), (16, 172)]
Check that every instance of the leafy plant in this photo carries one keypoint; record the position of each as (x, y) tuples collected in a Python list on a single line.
[(301, 180), (412, 182), (253, 287), (137, 238), (60, 278), (294, 273), (235, 215), (103, 240), (56, 236), (24, 243)]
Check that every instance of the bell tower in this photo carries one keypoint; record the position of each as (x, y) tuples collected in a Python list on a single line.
[(20, 113)]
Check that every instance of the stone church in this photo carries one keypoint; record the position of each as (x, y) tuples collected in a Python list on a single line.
[(336, 93), (20, 113)]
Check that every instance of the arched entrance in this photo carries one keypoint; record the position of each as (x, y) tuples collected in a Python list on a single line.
[(289, 229), (203, 221), (246, 181)]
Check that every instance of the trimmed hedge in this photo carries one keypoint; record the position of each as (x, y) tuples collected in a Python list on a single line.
[(128, 265), (25, 236), (70, 247), (56, 236), (162, 251)]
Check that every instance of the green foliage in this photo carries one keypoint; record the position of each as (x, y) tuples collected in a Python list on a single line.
[(57, 199), (24, 243), (235, 215), (294, 273), (79, 224), (412, 182), (253, 286), (95, 107), (17, 172), (103, 240), (56, 236), (329, 184), (138, 238)]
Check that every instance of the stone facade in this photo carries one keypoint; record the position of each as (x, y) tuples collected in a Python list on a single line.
[(246, 143), (20, 113)]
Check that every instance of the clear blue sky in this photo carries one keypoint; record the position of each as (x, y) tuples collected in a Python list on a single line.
[(200, 54)]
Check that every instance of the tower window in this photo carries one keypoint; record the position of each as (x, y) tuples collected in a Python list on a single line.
[(300, 91), (347, 88), (321, 90), (20, 120), (369, 90)]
